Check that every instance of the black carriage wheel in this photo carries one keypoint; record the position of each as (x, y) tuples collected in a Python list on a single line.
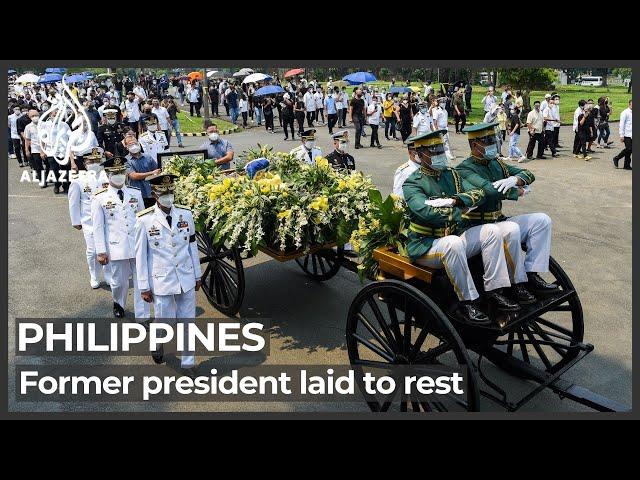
[(393, 323), (223, 275), (550, 341), (321, 265)]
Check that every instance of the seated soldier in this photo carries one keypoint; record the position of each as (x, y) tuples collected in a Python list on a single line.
[(340, 158), (500, 182), (307, 152), (437, 196)]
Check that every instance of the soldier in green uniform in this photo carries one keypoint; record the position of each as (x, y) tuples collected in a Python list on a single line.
[(501, 181), (437, 196)]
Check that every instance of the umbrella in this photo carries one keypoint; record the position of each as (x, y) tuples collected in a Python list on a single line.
[(243, 72), (359, 77), (50, 78), (195, 75), (293, 72), (256, 77), (27, 78), (11, 72), (104, 75), (396, 89), (88, 75), (211, 73), (415, 89), (75, 78), (269, 90), (55, 70)]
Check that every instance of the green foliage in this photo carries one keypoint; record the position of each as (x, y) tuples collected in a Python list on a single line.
[(528, 78)]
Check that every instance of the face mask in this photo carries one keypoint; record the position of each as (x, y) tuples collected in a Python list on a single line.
[(214, 137), (439, 162), (94, 167), (135, 148), (152, 128), (344, 146), (111, 121), (17, 113), (117, 180), (423, 110), (166, 200), (490, 152), (309, 144), (35, 119)]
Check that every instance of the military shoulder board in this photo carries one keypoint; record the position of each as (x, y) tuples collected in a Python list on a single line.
[(144, 212), (181, 206), (135, 188), (101, 191), (403, 166)]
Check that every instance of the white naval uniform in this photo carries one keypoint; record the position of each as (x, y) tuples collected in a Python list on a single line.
[(403, 172), (153, 143), (535, 233), (82, 189), (441, 118), (302, 154), (452, 251), (168, 264), (114, 234)]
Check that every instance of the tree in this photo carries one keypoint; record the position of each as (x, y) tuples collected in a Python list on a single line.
[(385, 73), (527, 79)]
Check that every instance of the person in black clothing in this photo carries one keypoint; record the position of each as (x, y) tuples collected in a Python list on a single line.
[(357, 115), (111, 134), (287, 116), (585, 125), (21, 124), (299, 113), (405, 119), (214, 96), (267, 109), (340, 158), (604, 110), (591, 129), (467, 96)]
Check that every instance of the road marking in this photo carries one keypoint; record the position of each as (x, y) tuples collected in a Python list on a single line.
[(36, 196)]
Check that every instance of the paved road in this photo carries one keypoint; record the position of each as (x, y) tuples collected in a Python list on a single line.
[(589, 202)]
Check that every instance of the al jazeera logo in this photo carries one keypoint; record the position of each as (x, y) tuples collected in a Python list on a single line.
[(57, 138)]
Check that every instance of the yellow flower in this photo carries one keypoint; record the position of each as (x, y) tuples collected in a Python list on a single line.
[(284, 214), (320, 203), (264, 189), (342, 185), (322, 162)]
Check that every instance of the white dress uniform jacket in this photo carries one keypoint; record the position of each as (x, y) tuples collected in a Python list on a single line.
[(153, 143), (403, 172), (167, 258), (304, 155), (114, 221)]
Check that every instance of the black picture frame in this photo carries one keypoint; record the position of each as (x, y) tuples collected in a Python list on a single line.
[(181, 153)]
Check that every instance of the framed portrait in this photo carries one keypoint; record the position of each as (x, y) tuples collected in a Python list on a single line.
[(188, 155)]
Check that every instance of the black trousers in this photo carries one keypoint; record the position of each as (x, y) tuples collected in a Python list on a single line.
[(268, 121), (39, 166), (194, 106), (214, 108), (549, 136), (311, 116), (536, 137), (343, 117), (374, 135), (244, 119), (390, 127), (467, 100), (556, 136), (581, 138), (17, 149), (358, 122), (287, 122), (460, 118), (53, 166), (300, 120), (332, 118), (576, 143), (226, 107), (626, 152), (320, 111), (167, 133)]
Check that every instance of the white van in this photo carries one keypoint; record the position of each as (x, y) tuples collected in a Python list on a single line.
[(591, 81)]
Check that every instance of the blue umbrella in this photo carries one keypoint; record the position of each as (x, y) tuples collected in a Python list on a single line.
[(55, 70), (50, 78), (269, 90), (359, 77), (88, 75), (75, 78), (400, 90), (11, 72)]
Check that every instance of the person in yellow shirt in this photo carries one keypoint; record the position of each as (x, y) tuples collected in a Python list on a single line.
[(501, 118), (389, 117)]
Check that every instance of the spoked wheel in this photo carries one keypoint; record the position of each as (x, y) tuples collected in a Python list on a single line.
[(549, 341), (321, 265), (223, 276), (391, 323)]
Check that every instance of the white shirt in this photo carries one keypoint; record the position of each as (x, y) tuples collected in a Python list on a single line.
[(576, 114), (163, 117), (403, 172), (193, 95), (153, 143), (547, 113), (167, 261), (440, 117), (13, 124), (487, 101), (140, 92), (309, 102), (625, 123), (114, 221), (374, 111), (77, 139), (132, 109), (304, 155), (82, 189), (544, 104), (243, 105), (338, 97), (422, 123), (319, 98), (555, 114), (31, 132)]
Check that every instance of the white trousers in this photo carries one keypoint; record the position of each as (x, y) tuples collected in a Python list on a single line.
[(121, 271), (447, 149), (513, 253), (181, 307), (535, 233), (452, 251), (92, 259)]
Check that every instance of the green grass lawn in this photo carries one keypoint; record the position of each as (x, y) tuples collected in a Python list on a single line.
[(189, 124), (569, 97)]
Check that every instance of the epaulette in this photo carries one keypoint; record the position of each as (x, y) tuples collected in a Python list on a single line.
[(181, 206), (101, 191), (135, 188), (403, 166), (144, 212)]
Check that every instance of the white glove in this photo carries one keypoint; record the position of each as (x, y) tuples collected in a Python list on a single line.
[(441, 202), (505, 184), (527, 189)]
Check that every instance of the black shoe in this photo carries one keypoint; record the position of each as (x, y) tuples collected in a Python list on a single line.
[(56, 190), (529, 158), (379, 146), (501, 302), (158, 355), (559, 146), (190, 372), (540, 286), (627, 168), (358, 146), (118, 311), (522, 295), (472, 314), (541, 157), (590, 151), (615, 161), (610, 143), (555, 155)]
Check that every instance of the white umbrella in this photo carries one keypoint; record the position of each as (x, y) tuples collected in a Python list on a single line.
[(27, 78), (256, 77), (211, 73), (246, 71)]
